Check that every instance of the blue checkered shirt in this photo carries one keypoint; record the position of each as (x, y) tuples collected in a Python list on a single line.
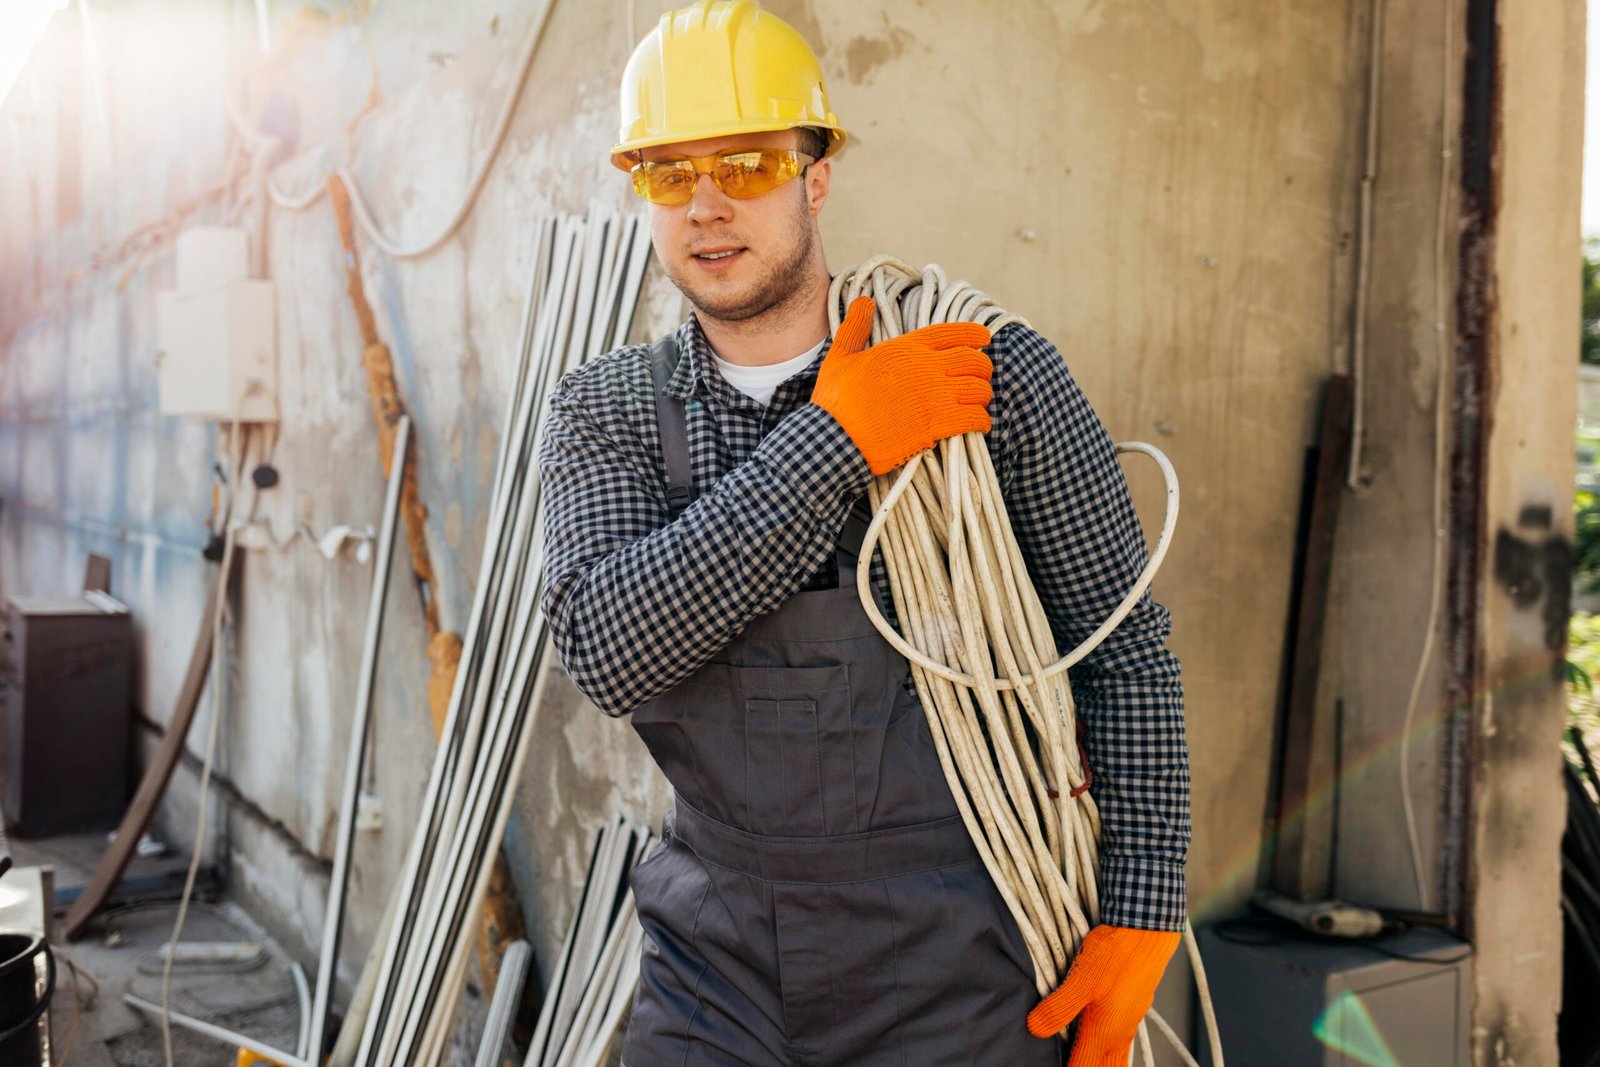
[(636, 604)]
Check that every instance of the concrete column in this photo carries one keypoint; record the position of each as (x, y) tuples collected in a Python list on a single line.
[(1511, 506)]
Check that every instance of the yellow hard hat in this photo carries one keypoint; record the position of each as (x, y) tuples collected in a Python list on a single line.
[(720, 67)]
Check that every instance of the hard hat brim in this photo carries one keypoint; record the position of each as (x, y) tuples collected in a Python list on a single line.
[(621, 155)]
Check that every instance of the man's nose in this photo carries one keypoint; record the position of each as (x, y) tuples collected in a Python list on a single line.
[(709, 203)]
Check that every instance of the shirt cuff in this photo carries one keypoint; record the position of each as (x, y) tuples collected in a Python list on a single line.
[(1143, 894), (822, 461)]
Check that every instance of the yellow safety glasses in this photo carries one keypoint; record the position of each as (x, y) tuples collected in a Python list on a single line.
[(741, 173)]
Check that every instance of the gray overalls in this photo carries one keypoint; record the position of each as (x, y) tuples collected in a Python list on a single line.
[(816, 899)]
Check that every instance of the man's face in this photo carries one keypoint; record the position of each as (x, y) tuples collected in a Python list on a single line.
[(771, 238)]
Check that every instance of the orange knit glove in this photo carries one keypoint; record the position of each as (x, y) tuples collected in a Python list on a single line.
[(1112, 983), (898, 398)]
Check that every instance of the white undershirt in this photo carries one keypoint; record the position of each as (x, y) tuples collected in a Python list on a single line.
[(759, 383)]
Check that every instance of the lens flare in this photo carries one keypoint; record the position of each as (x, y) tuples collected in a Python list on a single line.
[(1347, 1027)]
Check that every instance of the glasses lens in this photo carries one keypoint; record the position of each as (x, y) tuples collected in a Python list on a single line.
[(671, 182), (751, 172), (741, 173)]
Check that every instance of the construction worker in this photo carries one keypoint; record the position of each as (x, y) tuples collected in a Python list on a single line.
[(816, 898)]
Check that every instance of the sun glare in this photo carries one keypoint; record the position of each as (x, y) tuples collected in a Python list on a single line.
[(22, 23)]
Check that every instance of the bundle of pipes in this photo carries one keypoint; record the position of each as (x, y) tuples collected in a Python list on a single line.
[(587, 275), (983, 656), (599, 964)]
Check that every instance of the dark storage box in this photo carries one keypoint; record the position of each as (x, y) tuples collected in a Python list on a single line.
[(66, 666)]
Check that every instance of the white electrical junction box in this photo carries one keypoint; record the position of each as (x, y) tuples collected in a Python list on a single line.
[(216, 334)]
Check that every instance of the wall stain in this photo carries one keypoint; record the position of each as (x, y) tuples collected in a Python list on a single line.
[(1538, 516), (1536, 572), (863, 55)]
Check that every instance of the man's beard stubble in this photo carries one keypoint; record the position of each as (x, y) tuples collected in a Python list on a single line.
[(783, 284)]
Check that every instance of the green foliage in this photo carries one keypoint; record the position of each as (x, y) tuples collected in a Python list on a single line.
[(1583, 637), (1578, 679), (1583, 664), (1589, 351), (1583, 634), (1586, 513)]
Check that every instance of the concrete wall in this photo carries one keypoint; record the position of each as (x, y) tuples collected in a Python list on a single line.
[(1167, 190), (1385, 568)]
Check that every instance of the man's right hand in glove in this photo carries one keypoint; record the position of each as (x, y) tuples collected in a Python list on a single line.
[(900, 397)]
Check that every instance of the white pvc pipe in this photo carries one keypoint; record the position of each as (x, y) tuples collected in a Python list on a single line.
[(303, 996), (502, 1009), (200, 1026), (360, 722)]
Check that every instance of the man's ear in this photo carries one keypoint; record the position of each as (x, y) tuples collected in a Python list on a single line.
[(817, 178)]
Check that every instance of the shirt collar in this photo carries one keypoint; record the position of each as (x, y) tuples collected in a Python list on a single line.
[(697, 374)]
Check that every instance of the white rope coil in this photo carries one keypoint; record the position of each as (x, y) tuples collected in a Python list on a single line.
[(982, 653)]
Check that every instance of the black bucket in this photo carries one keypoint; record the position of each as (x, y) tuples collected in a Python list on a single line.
[(21, 1003)]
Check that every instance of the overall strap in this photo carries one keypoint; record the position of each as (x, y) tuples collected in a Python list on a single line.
[(672, 422), (855, 527), (674, 429), (848, 552)]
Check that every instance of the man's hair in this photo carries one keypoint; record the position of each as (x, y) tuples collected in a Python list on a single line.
[(813, 142)]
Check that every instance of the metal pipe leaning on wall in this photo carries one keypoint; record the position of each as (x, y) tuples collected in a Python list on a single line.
[(587, 276), (983, 655)]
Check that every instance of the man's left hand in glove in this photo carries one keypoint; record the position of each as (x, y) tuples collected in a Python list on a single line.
[(1112, 984)]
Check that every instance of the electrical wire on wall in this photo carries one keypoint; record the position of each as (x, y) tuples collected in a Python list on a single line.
[(263, 146), (234, 200), (239, 449), (1441, 333)]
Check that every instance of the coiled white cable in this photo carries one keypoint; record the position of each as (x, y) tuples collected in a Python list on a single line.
[(983, 656)]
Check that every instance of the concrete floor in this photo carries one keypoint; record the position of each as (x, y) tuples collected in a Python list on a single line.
[(91, 1025)]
